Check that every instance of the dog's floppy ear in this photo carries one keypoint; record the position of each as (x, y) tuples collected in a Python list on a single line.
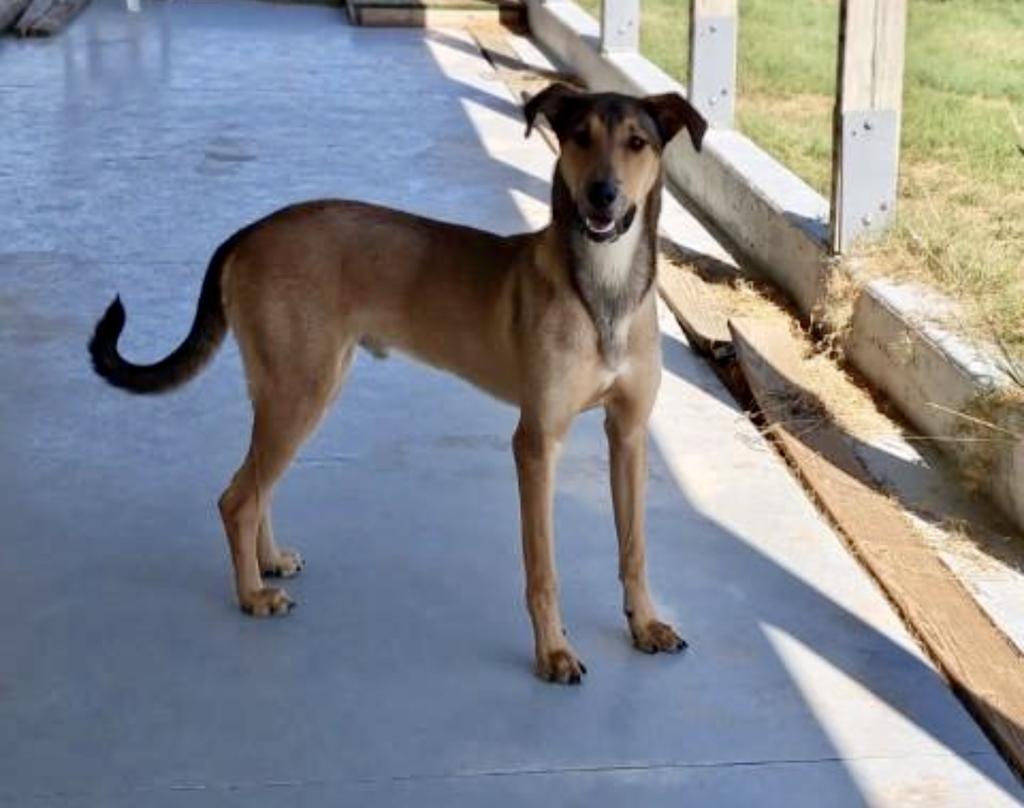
[(671, 112), (553, 102)]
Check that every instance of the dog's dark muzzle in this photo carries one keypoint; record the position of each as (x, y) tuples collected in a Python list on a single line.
[(604, 227), (604, 216)]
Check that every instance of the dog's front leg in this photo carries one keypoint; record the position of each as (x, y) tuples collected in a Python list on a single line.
[(626, 427), (536, 451)]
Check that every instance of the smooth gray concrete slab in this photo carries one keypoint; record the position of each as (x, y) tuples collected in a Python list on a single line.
[(131, 147)]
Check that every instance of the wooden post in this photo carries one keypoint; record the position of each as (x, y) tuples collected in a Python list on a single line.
[(713, 28), (620, 26), (866, 119)]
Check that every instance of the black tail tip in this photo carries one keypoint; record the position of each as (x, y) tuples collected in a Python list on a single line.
[(103, 345), (115, 313)]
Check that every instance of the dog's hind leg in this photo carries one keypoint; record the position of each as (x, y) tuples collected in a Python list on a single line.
[(284, 415)]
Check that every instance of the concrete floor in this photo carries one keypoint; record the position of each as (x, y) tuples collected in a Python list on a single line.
[(131, 147)]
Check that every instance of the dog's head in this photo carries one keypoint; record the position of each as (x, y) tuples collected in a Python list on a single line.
[(611, 147)]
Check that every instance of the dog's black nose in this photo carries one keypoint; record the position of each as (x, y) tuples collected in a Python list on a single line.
[(601, 195)]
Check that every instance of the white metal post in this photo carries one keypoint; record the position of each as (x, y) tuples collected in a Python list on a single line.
[(620, 26), (713, 29)]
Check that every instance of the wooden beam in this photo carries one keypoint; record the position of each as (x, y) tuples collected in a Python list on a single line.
[(866, 120), (10, 10), (47, 17), (620, 26), (523, 80), (436, 13), (692, 302), (982, 665), (713, 30), (872, 41)]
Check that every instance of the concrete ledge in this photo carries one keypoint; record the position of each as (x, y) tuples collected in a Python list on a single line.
[(897, 341), (779, 224)]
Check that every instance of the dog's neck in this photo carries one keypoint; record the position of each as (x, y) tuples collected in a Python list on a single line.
[(611, 277)]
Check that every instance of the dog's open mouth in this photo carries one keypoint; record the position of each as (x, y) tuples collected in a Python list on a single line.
[(599, 226), (605, 228)]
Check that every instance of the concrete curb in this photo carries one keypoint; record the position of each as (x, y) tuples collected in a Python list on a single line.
[(939, 381), (780, 224)]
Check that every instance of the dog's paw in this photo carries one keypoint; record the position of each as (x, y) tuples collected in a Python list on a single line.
[(284, 565), (561, 666), (266, 602), (655, 636)]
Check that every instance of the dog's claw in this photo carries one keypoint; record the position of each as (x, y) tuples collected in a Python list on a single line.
[(287, 564), (657, 637), (561, 666), (266, 602)]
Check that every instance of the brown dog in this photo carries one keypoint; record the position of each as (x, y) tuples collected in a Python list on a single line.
[(555, 322)]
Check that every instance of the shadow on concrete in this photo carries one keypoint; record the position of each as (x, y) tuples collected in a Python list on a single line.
[(407, 664)]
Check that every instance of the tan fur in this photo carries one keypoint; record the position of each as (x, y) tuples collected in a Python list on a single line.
[(302, 289), (638, 170), (501, 313)]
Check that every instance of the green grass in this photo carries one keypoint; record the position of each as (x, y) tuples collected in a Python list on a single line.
[(961, 213)]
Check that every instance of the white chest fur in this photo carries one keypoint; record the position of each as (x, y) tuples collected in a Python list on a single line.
[(611, 261), (609, 275)]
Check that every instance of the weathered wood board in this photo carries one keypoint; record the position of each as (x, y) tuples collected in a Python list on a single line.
[(47, 17), (11, 10), (435, 13), (692, 303), (982, 665), (523, 80)]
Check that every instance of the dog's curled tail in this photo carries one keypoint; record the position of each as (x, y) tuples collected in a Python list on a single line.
[(185, 361)]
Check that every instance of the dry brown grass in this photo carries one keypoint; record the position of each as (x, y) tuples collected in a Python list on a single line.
[(833, 392), (966, 236)]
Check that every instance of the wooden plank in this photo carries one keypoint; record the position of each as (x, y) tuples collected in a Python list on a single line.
[(520, 76), (454, 5), (436, 13), (47, 17), (11, 10), (523, 80), (377, 17), (620, 26), (689, 299), (984, 668)]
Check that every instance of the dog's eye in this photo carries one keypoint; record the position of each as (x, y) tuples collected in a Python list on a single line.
[(636, 143), (581, 138)]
